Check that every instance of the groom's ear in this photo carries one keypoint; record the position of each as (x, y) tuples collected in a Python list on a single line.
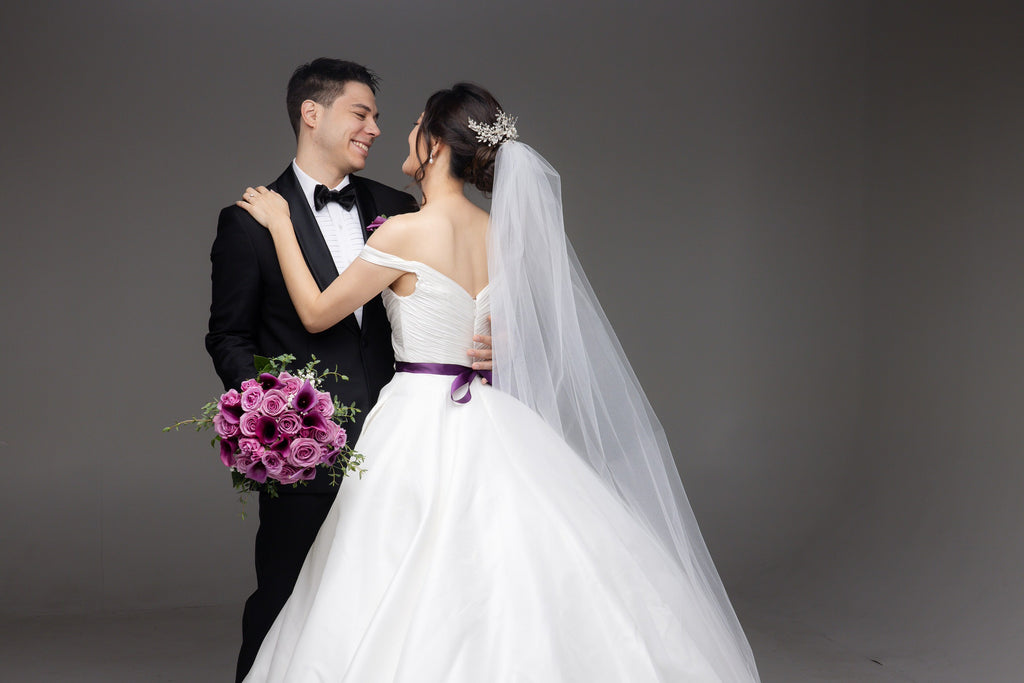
[(309, 113)]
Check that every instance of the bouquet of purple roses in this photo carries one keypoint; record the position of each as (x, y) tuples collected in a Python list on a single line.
[(279, 428)]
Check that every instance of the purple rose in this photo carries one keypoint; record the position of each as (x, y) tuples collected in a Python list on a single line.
[(322, 434), (252, 398), (266, 430), (304, 453), (305, 397), (249, 445), (291, 386), (227, 452), (269, 381), (229, 406), (338, 438), (243, 461), (289, 474), (289, 423), (248, 423), (224, 427), (274, 402), (248, 384), (324, 404), (273, 461)]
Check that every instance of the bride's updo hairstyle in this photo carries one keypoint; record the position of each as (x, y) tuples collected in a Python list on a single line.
[(446, 118)]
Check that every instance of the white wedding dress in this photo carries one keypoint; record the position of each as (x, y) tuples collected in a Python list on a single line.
[(479, 548)]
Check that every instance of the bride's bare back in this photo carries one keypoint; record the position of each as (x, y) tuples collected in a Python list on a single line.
[(449, 235)]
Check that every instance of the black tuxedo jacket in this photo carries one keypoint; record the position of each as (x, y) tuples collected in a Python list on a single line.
[(252, 314)]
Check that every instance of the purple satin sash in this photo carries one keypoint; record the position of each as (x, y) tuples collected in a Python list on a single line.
[(463, 375)]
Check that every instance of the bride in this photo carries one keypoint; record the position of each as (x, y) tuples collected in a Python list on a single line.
[(531, 531)]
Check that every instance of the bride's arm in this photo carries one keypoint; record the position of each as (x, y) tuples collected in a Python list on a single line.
[(318, 310)]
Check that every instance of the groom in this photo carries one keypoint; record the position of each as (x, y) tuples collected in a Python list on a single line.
[(333, 111)]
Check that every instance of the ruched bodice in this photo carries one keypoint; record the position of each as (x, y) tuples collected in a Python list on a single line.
[(436, 323)]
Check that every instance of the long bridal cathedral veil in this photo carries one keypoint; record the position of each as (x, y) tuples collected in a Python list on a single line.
[(555, 351)]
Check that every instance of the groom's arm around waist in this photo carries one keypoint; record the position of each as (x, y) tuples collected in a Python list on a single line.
[(237, 295)]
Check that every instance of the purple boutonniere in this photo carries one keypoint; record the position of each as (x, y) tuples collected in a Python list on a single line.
[(376, 223)]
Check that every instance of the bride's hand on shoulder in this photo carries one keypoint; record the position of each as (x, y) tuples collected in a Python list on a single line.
[(268, 207)]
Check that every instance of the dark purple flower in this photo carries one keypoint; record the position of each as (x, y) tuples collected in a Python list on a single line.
[(252, 398), (289, 423), (307, 473), (227, 452), (305, 397), (314, 420), (376, 223), (266, 430), (257, 471), (269, 381), (274, 402)]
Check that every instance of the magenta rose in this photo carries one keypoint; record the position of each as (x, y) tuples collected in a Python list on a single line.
[(274, 402), (249, 445), (290, 385), (243, 461), (224, 427), (248, 384), (289, 423), (247, 425), (290, 474), (304, 453), (322, 434), (227, 452), (324, 404), (229, 405), (337, 437), (252, 398), (273, 461)]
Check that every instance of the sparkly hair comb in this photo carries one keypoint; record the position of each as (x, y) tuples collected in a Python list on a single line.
[(502, 130)]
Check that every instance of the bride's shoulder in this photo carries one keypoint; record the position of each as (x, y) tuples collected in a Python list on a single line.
[(400, 234)]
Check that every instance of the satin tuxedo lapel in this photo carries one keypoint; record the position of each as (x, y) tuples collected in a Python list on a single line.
[(373, 310), (364, 204), (310, 238)]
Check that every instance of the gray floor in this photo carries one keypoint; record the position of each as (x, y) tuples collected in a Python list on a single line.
[(199, 645)]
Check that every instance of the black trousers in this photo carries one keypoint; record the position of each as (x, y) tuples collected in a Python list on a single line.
[(288, 527)]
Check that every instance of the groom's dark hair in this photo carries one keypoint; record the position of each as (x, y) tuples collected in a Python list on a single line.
[(322, 81)]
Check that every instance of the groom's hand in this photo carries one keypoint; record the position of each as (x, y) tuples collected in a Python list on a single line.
[(482, 358)]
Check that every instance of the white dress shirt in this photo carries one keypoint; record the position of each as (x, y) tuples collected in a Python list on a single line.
[(341, 229)]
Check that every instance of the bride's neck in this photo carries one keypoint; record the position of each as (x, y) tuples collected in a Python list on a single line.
[(437, 186)]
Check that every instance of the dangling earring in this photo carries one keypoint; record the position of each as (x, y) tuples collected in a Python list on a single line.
[(431, 160)]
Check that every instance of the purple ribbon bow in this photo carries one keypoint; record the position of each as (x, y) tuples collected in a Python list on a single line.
[(463, 375)]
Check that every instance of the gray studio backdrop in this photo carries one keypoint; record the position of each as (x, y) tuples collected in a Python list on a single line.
[(801, 217)]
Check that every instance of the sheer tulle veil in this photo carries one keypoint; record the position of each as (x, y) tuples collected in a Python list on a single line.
[(555, 351)]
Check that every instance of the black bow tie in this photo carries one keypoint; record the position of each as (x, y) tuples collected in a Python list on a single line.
[(346, 196)]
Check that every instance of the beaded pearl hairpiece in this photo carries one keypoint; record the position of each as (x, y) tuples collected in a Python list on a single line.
[(502, 130)]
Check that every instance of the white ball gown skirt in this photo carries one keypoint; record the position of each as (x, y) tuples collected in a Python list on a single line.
[(478, 548)]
